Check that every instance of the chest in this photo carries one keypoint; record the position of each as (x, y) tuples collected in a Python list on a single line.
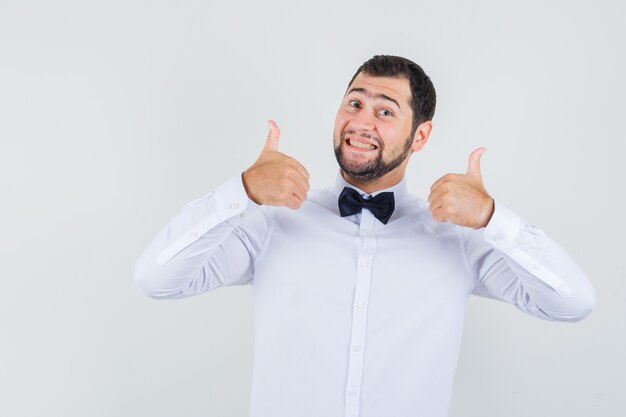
[(310, 262)]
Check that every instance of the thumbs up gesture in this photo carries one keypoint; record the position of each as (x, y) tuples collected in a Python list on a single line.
[(276, 179), (461, 198)]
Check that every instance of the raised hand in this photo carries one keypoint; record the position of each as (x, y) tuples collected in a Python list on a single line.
[(276, 179), (461, 198)]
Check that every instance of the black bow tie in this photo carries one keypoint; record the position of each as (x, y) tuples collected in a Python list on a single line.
[(381, 206)]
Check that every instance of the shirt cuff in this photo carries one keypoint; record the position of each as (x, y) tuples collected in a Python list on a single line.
[(232, 199), (503, 227), (222, 205), (501, 232)]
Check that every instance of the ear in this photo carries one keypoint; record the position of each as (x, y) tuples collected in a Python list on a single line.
[(421, 135)]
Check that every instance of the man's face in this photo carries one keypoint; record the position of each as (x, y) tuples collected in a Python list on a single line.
[(372, 127)]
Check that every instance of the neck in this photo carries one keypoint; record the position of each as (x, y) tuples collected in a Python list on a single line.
[(386, 181)]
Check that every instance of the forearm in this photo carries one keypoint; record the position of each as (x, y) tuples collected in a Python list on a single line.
[(187, 256), (531, 270)]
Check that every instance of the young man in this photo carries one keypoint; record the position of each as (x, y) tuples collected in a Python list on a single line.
[(360, 288)]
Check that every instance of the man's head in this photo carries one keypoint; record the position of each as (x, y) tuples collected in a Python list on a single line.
[(389, 104)]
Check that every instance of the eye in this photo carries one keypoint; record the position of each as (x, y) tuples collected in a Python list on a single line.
[(388, 113), (354, 103)]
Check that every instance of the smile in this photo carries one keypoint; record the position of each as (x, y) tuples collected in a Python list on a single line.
[(360, 146)]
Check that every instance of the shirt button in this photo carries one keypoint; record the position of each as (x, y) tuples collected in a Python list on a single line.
[(356, 348), (365, 232), (363, 262), (234, 206), (352, 392), (360, 305), (194, 235), (536, 267), (497, 238)]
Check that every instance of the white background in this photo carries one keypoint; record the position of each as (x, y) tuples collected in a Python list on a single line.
[(114, 114)]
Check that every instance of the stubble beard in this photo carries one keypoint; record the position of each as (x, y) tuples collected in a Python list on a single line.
[(375, 168)]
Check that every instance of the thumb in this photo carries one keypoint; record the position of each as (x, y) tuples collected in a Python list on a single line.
[(271, 143), (473, 168)]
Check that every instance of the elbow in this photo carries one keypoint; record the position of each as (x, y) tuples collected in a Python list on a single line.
[(586, 304), (578, 307), (147, 280), (143, 281), (586, 300), (156, 281)]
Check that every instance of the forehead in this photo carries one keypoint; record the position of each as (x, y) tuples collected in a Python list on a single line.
[(394, 87)]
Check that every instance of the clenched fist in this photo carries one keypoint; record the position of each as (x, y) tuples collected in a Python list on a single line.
[(461, 198), (276, 179)]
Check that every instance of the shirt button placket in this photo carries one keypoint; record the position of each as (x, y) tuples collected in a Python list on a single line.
[(359, 313)]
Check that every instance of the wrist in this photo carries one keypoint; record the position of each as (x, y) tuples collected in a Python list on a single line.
[(491, 207), (247, 188)]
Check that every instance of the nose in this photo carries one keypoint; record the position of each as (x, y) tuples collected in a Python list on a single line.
[(363, 120)]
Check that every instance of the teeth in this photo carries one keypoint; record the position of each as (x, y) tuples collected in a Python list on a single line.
[(362, 145)]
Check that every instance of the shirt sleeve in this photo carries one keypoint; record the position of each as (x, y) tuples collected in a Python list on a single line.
[(212, 242), (515, 262)]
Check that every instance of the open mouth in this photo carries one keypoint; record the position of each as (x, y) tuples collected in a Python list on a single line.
[(361, 146)]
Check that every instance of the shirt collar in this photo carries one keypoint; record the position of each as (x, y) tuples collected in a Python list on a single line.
[(399, 190)]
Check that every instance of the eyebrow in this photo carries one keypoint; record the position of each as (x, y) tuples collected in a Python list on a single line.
[(364, 91)]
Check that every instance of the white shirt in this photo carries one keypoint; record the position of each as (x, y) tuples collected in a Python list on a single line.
[(354, 317)]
